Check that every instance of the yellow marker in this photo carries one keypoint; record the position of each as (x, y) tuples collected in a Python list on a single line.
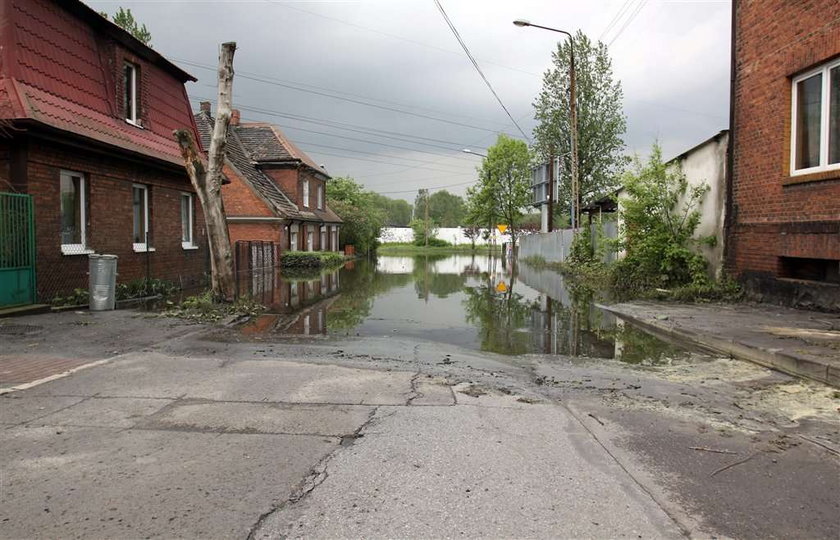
[(502, 228)]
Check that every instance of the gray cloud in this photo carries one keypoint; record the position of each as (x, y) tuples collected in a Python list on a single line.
[(672, 59)]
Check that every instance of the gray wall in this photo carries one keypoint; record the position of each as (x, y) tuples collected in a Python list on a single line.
[(553, 247)]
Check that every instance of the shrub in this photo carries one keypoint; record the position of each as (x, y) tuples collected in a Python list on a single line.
[(310, 259), (202, 308)]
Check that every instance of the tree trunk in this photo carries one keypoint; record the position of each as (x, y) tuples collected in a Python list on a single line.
[(208, 182)]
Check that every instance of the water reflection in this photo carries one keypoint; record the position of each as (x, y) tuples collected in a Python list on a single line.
[(470, 301)]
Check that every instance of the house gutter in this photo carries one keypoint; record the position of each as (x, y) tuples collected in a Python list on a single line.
[(729, 218)]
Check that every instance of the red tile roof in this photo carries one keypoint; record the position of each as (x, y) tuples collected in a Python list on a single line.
[(63, 70)]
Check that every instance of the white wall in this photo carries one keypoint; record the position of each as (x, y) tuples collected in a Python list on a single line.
[(453, 235)]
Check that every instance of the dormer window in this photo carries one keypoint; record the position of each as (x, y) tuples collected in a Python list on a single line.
[(131, 93)]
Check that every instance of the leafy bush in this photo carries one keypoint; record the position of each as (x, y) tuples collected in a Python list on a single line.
[(310, 259), (140, 288), (421, 228), (78, 297), (660, 218)]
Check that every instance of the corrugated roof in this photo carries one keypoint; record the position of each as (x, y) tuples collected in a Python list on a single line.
[(62, 73)]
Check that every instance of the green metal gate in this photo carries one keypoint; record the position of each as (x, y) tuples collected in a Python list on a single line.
[(17, 250)]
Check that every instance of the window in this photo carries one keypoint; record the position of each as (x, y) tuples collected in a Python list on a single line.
[(73, 213), (140, 203), (187, 221), (323, 245), (310, 237), (293, 237), (815, 141), (130, 87), (320, 197), (306, 193)]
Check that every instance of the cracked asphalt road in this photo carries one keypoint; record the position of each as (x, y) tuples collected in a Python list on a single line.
[(211, 435)]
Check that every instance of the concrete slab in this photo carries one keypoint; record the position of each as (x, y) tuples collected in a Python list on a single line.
[(154, 375), (105, 412), (324, 420), (17, 409), (432, 391), (800, 343), (110, 483), (466, 471)]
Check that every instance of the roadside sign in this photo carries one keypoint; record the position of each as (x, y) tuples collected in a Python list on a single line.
[(501, 287), (502, 228)]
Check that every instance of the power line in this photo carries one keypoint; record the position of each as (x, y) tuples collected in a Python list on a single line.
[(477, 68), (296, 85), (628, 21), (430, 189), (616, 18), (308, 143), (338, 125), (401, 38), (359, 102)]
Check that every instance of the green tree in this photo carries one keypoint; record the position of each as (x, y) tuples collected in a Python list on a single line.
[(397, 211), (125, 20), (660, 217), (601, 120), (363, 220), (504, 188), (445, 208)]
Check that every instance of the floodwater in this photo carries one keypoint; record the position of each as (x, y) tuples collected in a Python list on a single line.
[(478, 302)]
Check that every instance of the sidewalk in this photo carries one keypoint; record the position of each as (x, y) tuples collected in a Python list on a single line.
[(801, 343)]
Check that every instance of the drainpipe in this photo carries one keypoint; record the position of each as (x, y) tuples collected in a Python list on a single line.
[(729, 218)]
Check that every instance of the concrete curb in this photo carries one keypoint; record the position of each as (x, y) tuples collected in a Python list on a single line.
[(777, 359)]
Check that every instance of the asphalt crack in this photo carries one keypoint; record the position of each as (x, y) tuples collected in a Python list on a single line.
[(316, 476)]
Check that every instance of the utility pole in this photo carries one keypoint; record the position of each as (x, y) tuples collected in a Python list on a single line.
[(572, 118), (426, 221), (551, 189), (574, 129)]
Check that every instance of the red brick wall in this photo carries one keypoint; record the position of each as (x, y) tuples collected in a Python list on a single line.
[(288, 180), (110, 219), (265, 231), (774, 214), (240, 199)]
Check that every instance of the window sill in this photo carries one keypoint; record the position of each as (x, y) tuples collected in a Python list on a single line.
[(818, 176), (132, 123), (188, 246), (142, 248), (75, 249)]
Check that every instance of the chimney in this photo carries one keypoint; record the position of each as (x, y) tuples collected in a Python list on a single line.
[(204, 106), (234, 117)]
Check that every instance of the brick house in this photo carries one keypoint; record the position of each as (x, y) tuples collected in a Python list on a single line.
[(783, 220), (276, 192), (87, 114)]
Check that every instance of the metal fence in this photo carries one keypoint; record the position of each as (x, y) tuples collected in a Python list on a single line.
[(553, 247)]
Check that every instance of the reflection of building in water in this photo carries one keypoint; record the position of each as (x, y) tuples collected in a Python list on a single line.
[(565, 330), (279, 294)]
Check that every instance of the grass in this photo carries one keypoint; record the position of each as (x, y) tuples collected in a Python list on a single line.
[(411, 249)]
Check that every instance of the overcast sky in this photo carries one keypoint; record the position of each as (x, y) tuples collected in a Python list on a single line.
[(380, 89)]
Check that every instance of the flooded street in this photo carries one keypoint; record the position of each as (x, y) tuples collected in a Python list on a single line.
[(477, 302)]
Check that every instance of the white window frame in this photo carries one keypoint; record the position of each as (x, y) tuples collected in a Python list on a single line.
[(306, 193), (323, 238), (133, 118), (825, 70), (141, 247), (310, 238), (320, 189), (191, 213), (77, 249)]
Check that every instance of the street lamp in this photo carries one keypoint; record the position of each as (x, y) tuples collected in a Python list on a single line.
[(468, 151), (573, 106)]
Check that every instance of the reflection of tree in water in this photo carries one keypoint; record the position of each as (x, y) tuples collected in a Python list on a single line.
[(500, 318), (358, 289), (427, 281)]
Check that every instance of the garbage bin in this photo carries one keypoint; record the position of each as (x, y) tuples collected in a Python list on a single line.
[(103, 282)]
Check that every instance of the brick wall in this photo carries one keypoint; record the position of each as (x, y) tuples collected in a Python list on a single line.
[(775, 214), (240, 199), (110, 219)]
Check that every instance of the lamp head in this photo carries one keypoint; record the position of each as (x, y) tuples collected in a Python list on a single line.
[(521, 22)]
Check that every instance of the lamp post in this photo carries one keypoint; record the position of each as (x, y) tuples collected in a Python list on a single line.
[(490, 222), (573, 118)]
